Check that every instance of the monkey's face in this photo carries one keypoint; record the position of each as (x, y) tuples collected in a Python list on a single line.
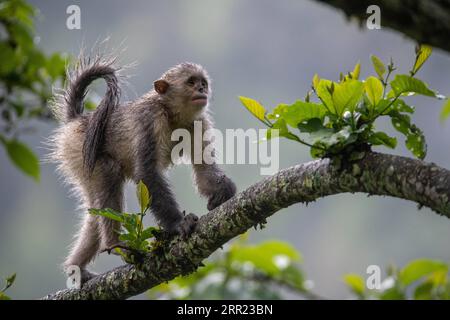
[(186, 88), (196, 90)]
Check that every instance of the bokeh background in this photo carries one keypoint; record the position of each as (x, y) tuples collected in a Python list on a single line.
[(268, 50)]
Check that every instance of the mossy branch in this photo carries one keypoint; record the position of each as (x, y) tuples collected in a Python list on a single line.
[(376, 174)]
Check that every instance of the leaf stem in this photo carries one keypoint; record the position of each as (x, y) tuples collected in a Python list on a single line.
[(296, 138), (387, 107), (385, 82)]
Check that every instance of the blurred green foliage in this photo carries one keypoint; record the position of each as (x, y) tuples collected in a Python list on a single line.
[(421, 279), (342, 122), (241, 271), (26, 78), (244, 271)]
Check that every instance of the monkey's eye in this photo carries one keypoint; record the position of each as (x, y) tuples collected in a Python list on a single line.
[(191, 81), (204, 83)]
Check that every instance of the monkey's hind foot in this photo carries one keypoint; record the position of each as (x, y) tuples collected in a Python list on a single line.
[(86, 275), (187, 225)]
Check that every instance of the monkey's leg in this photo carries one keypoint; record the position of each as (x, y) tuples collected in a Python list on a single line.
[(164, 205), (106, 191), (86, 244), (113, 198), (102, 190)]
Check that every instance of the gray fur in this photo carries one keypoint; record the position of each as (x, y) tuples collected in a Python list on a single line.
[(131, 142)]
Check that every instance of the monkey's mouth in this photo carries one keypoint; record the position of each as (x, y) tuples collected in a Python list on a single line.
[(200, 99)]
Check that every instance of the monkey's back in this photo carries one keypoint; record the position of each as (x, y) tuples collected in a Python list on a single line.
[(140, 124)]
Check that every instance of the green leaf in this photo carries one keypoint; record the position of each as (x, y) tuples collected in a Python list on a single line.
[(143, 196), (254, 107), (401, 122), (317, 151), (374, 90), (356, 71), (278, 111), (279, 129), (302, 111), (315, 81), (3, 296), (405, 84), (8, 58), (381, 138), (127, 237), (347, 95), (324, 94), (107, 213), (355, 283), (293, 277), (130, 220), (149, 233), (323, 135), (415, 139), (10, 280), (420, 268), (397, 106), (423, 291), (378, 65), (401, 106), (328, 138), (56, 66), (422, 55), (90, 105), (311, 125), (415, 142), (393, 294), (23, 158), (445, 112)]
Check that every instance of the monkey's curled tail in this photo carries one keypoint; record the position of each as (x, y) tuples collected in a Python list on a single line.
[(69, 104)]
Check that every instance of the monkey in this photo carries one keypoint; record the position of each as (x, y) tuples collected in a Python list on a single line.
[(98, 152)]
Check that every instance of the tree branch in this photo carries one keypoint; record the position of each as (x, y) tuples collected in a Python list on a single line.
[(426, 21), (377, 174)]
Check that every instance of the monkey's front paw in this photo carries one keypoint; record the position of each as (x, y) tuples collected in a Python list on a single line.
[(187, 225), (226, 191)]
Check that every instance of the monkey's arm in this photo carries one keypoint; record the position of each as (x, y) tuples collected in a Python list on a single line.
[(210, 180), (212, 183)]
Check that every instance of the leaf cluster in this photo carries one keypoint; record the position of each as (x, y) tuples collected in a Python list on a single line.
[(342, 118), (421, 279), (26, 78)]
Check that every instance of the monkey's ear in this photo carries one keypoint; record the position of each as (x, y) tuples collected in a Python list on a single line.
[(161, 86)]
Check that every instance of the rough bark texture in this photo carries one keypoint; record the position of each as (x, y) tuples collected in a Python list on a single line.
[(426, 21), (377, 174)]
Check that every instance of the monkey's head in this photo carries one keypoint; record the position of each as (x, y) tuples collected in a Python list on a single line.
[(185, 88)]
